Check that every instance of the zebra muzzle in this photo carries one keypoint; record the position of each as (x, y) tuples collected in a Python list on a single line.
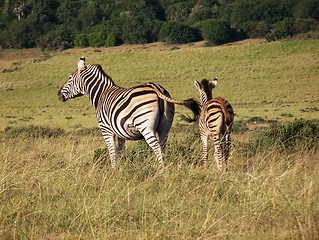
[(61, 96)]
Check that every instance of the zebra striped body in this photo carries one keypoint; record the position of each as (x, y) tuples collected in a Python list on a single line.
[(126, 113), (215, 120)]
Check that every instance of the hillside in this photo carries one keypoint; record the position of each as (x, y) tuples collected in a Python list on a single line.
[(63, 24), (272, 81)]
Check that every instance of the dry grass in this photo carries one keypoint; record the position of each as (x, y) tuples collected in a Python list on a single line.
[(52, 188)]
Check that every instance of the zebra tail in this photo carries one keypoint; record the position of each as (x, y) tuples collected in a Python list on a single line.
[(194, 106), (191, 104)]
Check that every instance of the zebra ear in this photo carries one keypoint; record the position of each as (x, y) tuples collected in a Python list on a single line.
[(213, 84), (197, 84), (81, 64)]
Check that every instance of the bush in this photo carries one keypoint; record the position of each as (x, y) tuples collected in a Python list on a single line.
[(306, 25), (111, 40), (60, 38), (81, 40), (216, 31), (289, 27), (307, 9), (96, 39), (179, 11), (256, 29), (178, 33), (200, 13), (281, 30), (140, 30), (240, 127), (20, 34), (296, 135)]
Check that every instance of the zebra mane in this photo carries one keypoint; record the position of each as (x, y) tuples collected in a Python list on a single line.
[(99, 67), (206, 87)]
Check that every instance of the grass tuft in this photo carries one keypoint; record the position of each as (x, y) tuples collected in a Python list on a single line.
[(32, 131), (296, 135)]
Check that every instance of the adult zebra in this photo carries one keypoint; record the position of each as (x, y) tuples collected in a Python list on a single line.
[(215, 120), (126, 113)]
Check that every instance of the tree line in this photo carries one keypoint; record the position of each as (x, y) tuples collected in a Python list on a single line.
[(62, 24)]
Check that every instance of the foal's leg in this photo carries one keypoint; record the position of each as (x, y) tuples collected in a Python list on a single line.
[(218, 153), (204, 139)]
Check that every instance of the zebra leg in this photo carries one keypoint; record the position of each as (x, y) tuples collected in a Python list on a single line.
[(162, 131), (227, 147), (218, 151), (163, 140), (204, 139), (121, 144), (110, 142), (152, 141), (165, 123)]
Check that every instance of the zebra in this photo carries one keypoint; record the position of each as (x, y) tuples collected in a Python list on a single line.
[(216, 119), (126, 113)]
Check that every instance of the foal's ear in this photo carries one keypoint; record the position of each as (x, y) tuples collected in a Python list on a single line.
[(81, 64), (197, 84), (213, 84)]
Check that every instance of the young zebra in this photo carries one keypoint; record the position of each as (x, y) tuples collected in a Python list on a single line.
[(215, 120), (126, 113)]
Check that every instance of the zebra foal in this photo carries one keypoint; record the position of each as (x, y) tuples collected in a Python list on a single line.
[(126, 113), (216, 119)]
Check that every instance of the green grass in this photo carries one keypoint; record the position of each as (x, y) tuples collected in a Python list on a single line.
[(56, 184), (275, 80)]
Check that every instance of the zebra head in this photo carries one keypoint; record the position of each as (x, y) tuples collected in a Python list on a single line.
[(74, 87), (205, 89)]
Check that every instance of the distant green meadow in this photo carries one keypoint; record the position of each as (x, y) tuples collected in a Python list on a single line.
[(274, 81)]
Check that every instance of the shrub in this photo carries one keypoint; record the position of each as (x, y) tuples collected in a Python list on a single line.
[(19, 34), (240, 127), (256, 29), (296, 135), (216, 31), (111, 40), (175, 32), (307, 9), (306, 25), (200, 13), (81, 40), (140, 30), (179, 11), (96, 39), (281, 30), (60, 38)]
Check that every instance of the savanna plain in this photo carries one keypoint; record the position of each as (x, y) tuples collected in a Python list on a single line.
[(55, 176)]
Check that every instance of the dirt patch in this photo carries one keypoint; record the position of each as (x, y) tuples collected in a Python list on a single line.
[(245, 42)]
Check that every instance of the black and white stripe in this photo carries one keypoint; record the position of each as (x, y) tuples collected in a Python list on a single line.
[(215, 120), (126, 113)]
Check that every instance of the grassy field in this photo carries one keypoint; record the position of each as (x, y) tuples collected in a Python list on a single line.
[(56, 184), (277, 80)]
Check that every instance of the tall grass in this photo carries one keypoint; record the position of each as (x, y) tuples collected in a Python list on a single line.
[(53, 187)]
